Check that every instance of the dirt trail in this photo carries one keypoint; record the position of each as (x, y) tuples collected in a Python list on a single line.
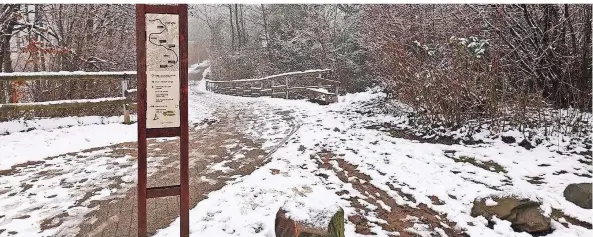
[(215, 145)]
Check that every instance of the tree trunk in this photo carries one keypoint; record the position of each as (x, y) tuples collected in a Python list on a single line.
[(263, 11), (232, 29), (237, 25), (7, 62), (243, 27), (586, 62)]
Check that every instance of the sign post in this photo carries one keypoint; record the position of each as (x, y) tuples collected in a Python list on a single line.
[(161, 48)]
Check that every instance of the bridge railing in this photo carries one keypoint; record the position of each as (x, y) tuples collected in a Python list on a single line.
[(124, 99), (302, 84)]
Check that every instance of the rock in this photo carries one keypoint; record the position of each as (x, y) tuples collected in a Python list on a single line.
[(524, 214), (579, 194), (286, 227), (531, 220), (508, 139), (526, 144), (318, 101)]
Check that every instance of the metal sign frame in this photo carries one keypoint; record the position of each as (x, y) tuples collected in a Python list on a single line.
[(144, 193)]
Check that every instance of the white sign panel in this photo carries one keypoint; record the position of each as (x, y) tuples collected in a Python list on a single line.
[(162, 71)]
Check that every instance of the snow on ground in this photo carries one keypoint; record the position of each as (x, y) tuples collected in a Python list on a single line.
[(67, 185), (195, 67), (51, 137), (198, 111), (247, 207), (46, 124)]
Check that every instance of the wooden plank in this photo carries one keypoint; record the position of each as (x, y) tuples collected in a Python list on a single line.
[(163, 9), (328, 80), (164, 191), (184, 139), (142, 149), (63, 104), (298, 88), (162, 132)]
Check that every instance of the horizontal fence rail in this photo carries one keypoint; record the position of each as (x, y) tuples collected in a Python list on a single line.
[(123, 100), (303, 84)]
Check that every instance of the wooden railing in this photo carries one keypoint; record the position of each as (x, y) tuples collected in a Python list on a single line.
[(123, 100), (306, 84)]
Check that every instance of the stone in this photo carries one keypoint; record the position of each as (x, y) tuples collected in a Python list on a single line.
[(526, 144), (286, 227), (579, 194), (531, 220), (524, 214), (508, 139)]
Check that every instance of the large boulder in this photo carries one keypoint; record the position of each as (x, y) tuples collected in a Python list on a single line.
[(524, 214), (287, 227), (579, 194)]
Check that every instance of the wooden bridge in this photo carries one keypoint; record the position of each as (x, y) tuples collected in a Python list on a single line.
[(309, 84)]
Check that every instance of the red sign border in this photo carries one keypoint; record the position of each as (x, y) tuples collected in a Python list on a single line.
[(144, 193)]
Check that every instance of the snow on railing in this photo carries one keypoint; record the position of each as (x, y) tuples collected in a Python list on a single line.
[(275, 76), (29, 76), (65, 73), (57, 102), (271, 86)]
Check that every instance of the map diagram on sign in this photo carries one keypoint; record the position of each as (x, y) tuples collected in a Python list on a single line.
[(162, 71), (162, 48)]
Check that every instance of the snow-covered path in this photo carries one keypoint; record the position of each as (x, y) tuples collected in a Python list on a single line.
[(418, 181), (54, 196), (387, 185)]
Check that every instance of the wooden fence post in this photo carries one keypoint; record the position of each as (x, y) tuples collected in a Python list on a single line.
[(124, 93), (286, 80), (320, 83)]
